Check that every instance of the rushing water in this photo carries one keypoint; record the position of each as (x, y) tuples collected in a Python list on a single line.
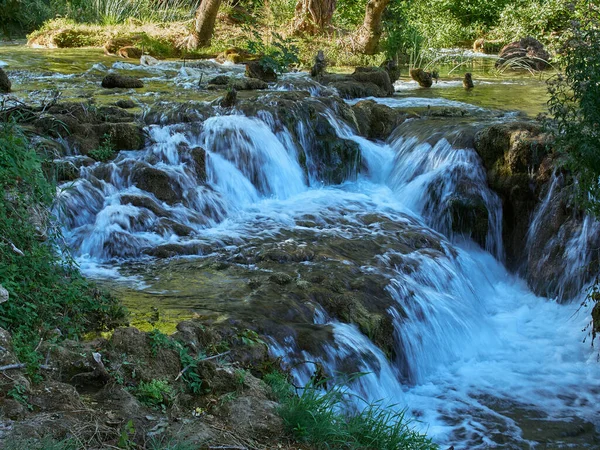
[(479, 359)]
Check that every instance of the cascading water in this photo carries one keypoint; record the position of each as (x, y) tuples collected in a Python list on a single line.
[(467, 335)]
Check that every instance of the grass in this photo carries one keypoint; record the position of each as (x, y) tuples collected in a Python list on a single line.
[(321, 417), (46, 289)]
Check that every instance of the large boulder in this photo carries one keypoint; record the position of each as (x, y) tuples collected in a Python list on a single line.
[(114, 80), (528, 52), (257, 69), (5, 83), (239, 84)]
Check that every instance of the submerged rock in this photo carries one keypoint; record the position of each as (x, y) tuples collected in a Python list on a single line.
[(526, 53), (157, 182), (230, 98), (5, 84), (114, 80)]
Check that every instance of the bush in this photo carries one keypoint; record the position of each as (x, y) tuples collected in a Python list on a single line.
[(46, 290), (316, 416)]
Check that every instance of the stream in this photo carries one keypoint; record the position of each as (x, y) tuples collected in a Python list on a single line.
[(477, 359)]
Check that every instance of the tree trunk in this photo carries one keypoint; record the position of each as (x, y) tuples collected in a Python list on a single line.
[(370, 32), (206, 16), (313, 16)]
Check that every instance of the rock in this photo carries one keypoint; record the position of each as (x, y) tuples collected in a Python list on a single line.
[(376, 121), (319, 66), (375, 75), (354, 89), (3, 294), (147, 60), (199, 156), (5, 84), (142, 201), (130, 52), (468, 81), (122, 136), (125, 104), (511, 152), (243, 84), (220, 80), (156, 182), (114, 80), (280, 278), (257, 69), (528, 51), (392, 68), (112, 46), (425, 79), (230, 98)]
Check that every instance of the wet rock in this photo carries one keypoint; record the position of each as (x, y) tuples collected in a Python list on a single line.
[(525, 53), (375, 75), (319, 66), (350, 89), (121, 136), (468, 81), (5, 84), (220, 80), (114, 80), (511, 152), (230, 98), (147, 60), (168, 226), (258, 69), (156, 182), (130, 52), (199, 156), (125, 103), (425, 79), (469, 216), (376, 121), (142, 201)]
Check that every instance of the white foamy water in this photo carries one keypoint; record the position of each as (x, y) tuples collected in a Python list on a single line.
[(468, 334)]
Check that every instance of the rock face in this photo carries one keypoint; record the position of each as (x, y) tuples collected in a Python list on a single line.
[(255, 69), (5, 84), (529, 52), (3, 294), (114, 80), (510, 153), (425, 79)]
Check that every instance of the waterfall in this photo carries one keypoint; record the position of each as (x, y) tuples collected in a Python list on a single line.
[(466, 333)]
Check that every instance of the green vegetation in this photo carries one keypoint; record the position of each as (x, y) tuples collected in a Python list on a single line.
[(42, 444), (575, 123), (316, 416), (156, 394), (49, 299), (104, 152)]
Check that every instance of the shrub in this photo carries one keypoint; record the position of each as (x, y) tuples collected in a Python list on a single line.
[(156, 394)]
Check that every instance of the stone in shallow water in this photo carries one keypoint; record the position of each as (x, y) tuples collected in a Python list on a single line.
[(114, 80)]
